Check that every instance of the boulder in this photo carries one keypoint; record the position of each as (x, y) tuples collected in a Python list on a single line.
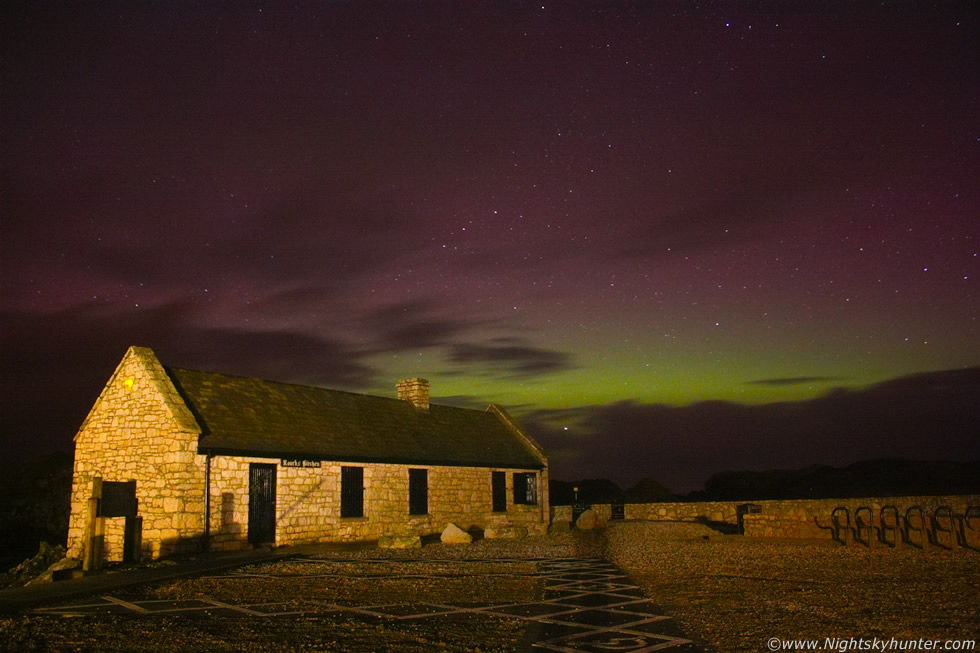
[(400, 542), (505, 533), (453, 534), (588, 520), (31, 568), (62, 570)]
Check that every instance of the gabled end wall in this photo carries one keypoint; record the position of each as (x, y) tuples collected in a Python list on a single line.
[(140, 430)]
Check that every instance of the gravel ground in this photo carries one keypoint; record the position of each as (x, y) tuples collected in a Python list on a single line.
[(733, 593), (350, 584), (729, 593), (295, 584), (311, 633), (558, 545)]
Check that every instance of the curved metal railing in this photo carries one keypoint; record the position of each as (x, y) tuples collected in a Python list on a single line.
[(864, 519), (840, 532), (894, 528), (938, 527), (921, 528), (969, 515)]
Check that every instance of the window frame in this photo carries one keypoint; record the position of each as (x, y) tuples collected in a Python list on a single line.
[(525, 489)]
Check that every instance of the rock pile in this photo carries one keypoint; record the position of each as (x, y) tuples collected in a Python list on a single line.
[(35, 567)]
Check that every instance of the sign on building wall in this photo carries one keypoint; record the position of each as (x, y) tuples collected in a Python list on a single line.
[(299, 462)]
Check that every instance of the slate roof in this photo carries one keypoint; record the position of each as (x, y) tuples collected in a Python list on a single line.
[(247, 416)]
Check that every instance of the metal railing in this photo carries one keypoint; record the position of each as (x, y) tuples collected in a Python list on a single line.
[(894, 527), (840, 531), (971, 513), (938, 527), (921, 528), (864, 519)]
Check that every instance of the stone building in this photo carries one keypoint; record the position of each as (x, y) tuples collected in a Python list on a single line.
[(171, 460)]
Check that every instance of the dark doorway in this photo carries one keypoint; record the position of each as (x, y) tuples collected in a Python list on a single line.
[(133, 539), (119, 500), (351, 491), (261, 503)]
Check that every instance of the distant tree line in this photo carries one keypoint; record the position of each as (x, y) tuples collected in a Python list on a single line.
[(35, 501), (867, 478)]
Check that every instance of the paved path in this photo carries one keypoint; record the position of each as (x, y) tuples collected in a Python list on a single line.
[(587, 604), (19, 599)]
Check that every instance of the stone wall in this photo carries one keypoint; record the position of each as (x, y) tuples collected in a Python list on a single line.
[(763, 525), (716, 511), (136, 432), (782, 518), (812, 517), (720, 511), (308, 502)]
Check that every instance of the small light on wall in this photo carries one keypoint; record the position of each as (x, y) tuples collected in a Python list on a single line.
[(129, 383)]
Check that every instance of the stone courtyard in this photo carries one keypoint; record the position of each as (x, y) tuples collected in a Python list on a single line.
[(549, 604), (631, 586)]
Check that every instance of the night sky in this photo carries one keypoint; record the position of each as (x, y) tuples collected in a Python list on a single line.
[(672, 238)]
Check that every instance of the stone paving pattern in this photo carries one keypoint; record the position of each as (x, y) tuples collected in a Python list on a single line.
[(586, 604)]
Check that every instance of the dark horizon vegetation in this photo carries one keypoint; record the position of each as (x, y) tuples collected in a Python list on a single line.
[(882, 477)]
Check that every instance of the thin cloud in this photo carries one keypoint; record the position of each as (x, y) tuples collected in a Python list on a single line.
[(413, 325), (797, 380), (512, 355)]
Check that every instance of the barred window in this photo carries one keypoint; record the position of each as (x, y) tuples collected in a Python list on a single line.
[(351, 491), (418, 491), (525, 488), (499, 492)]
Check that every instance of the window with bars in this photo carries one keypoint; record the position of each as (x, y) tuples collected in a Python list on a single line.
[(418, 491), (351, 491), (525, 488), (499, 492)]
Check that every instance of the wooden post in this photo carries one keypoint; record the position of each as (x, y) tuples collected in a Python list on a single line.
[(98, 542), (94, 538)]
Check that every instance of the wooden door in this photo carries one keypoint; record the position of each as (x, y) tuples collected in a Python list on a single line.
[(261, 503)]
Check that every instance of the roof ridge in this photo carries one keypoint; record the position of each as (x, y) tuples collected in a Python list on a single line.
[(311, 387), (260, 417)]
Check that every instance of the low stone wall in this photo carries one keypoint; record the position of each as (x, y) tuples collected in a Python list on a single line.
[(812, 517), (717, 511), (761, 525), (779, 518), (561, 513)]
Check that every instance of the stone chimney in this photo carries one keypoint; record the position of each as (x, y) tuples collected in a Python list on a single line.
[(415, 391)]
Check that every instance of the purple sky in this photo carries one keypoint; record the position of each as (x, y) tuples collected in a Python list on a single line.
[(599, 216)]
